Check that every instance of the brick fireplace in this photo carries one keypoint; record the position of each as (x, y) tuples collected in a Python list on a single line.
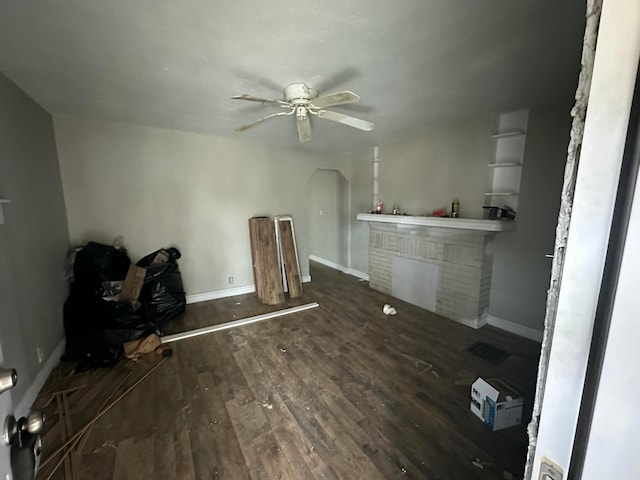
[(443, 265)]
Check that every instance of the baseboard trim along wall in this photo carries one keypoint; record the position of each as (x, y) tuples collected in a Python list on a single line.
[(24, 406), (358, 274), (328, 263), (476, 323), (229, 292), (509, 326), (342, 268)]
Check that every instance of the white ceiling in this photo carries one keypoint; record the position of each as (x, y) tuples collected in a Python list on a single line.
[(176, 63)]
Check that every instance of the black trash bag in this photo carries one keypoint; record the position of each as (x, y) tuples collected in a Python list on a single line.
[(105, 359), (162, 292), (95, 327), (96, 263)]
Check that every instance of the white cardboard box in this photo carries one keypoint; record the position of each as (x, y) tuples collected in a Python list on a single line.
[(496, 403)]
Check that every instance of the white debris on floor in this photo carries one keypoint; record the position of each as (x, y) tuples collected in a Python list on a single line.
[(388, 309)]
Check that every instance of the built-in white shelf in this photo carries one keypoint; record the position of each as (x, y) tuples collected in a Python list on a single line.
[(3, 201), (504, 164), (511, 133)]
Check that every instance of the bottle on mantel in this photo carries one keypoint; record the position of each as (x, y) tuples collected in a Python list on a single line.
[(455, 208)]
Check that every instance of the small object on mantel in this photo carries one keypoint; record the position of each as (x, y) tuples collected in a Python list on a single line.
[(455, 209), (492, 212), (439, 212)]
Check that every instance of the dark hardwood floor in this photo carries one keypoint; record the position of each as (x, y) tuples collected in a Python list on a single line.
[(341, 391)]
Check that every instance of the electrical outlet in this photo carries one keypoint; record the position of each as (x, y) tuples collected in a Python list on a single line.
[(40, 354), (230, 280), (549, 470)]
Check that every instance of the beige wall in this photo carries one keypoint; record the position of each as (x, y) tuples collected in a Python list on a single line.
[(328, 227), (160, 187), (361, 188), (434, 165)]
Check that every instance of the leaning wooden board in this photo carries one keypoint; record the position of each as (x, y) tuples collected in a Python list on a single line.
[(264, 255), (290, 257)]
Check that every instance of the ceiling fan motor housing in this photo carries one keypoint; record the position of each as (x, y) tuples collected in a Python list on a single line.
[(299, 93)]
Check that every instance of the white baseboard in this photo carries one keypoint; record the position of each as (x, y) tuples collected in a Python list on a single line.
[(358, 273), (328, 263), (32, 392), (475, 323), (342, 268), (229, 292), (509, 326)]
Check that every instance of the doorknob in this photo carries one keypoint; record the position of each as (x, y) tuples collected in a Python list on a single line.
[(26, 444), (22, 434)]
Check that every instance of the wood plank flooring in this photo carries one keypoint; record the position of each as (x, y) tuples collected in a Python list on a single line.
[(337, 392)]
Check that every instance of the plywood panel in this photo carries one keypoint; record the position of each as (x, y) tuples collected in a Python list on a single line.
[(264, 254), (290, 257)]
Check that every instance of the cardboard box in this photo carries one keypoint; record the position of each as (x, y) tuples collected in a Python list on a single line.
[(496, 403), (132, 284)]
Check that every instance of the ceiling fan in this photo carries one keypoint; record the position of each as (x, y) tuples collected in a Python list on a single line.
[(304, 101)]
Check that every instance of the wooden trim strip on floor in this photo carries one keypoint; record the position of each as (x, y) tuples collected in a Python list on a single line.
[(236, 323)]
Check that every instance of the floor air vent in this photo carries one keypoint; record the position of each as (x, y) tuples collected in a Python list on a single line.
[(488, 352)]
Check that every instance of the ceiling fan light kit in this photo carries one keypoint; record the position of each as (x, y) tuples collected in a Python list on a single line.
[(304, 101)]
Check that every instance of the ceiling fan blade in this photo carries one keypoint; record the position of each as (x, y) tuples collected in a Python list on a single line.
[(346, 120), (251, 98), (338, 98), (304, 126), (242, 128)]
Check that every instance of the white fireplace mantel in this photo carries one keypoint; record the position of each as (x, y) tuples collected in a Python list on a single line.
[(459, 223)]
